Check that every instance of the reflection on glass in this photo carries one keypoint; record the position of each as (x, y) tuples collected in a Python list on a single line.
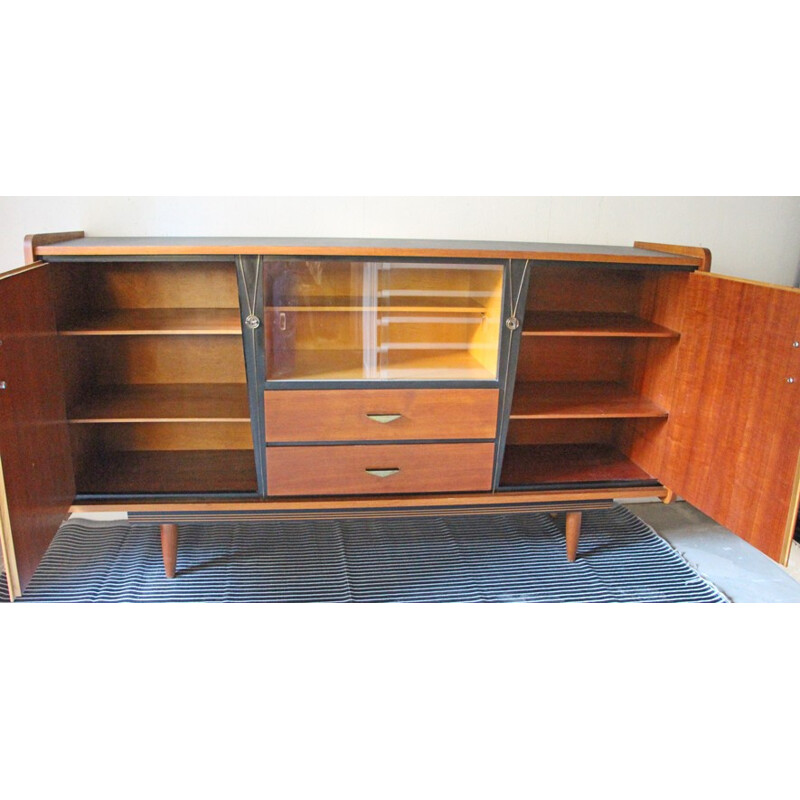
[(337, 320)]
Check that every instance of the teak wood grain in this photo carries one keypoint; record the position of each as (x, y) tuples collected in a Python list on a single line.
[(344, 414), (342, 469), (734, 432), (34, 439)]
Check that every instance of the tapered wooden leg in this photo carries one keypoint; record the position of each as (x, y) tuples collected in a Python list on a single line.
[(169, 548), (573, 533)]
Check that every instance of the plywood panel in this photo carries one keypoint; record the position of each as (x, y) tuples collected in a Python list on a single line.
[(734, 431)]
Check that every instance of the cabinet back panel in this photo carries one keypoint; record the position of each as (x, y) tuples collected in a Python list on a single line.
[(121, 360), (86, 288), (559, 431), (93, 440), (563, 358), (555, 288)]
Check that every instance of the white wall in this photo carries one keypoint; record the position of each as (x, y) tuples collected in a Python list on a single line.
[(750, 237)]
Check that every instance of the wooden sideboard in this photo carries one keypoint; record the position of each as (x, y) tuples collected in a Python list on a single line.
[(320, 376)]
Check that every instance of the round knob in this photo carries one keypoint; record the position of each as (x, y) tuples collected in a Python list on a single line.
[(790, 380), (252, 321), (3, 384)]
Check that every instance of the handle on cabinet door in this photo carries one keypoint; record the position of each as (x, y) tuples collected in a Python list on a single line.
[(384, 418), (383, 473)]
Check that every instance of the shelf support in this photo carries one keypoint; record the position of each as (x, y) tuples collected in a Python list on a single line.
[(169, 548)]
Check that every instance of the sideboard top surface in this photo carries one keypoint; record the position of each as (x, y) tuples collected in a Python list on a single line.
[(399, 248)]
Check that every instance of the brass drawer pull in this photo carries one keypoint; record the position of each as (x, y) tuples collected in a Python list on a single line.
[(383, 473), (384, 418)]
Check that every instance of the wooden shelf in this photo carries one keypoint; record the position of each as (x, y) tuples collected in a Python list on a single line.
[(538, 465), (575, 400), (169, 472), (564, 323), (185, 402), (417, 304), (343, 365), (162, 321)]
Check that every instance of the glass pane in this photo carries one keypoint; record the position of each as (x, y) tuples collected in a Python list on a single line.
[(338, 320)]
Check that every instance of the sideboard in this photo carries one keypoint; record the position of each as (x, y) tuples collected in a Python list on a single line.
[(166, 376)]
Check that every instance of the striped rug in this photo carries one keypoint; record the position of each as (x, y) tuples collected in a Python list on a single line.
[(470, 558)]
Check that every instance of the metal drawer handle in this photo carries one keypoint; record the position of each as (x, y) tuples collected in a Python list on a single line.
[(383, 473), (384, 418)]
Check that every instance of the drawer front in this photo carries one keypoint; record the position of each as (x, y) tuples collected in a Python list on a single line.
[(379, 469), (340, 415)]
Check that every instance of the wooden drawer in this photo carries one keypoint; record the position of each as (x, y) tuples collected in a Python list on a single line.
[(379, 469), (340, 415)]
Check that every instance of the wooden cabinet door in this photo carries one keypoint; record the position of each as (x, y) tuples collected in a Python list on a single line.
[(38, 484), (733, 437)]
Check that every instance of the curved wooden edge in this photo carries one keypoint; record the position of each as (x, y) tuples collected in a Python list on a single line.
[(703, 254), (35, 240)]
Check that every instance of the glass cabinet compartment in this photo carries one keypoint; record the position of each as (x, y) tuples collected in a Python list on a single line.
[(356, 320)]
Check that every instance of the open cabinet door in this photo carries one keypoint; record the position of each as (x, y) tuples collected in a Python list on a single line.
[(733, 437), (38, 483)]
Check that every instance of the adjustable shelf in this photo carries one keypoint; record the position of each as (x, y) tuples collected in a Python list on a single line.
[(566, 323), (162, 321), (168, 472), (529, 466), (185, 402), (436, 304), (404, 364), (577, 399)]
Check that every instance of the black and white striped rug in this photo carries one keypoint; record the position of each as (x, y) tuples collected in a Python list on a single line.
[(469, 558)]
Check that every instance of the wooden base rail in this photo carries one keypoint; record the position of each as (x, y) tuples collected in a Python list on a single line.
[(169, 530)]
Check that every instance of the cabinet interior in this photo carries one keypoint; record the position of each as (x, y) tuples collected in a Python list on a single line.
[(359, 320), (155, 380), (594, 377)]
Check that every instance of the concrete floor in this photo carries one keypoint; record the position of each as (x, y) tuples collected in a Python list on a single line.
[(742, 573)]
